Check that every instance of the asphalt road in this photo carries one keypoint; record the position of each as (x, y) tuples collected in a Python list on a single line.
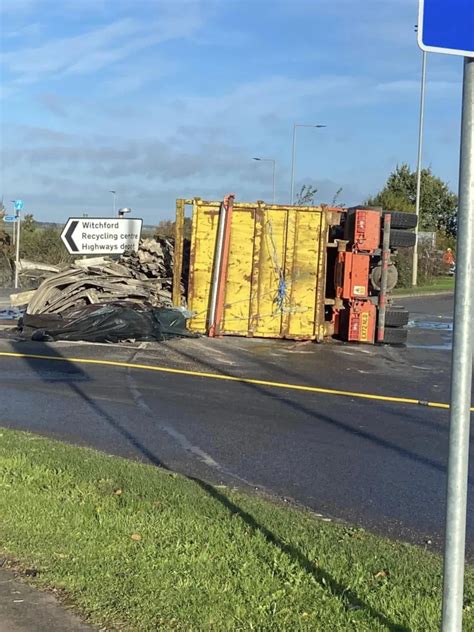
[(377, 464)]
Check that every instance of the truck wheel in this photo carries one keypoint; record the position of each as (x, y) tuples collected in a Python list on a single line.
[(401, 239), (395, 336), (400, 219), (396, 317), (376, 277)]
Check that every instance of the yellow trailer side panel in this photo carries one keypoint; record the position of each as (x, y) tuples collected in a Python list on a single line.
[(303, 259), (203, 245), (275, 278), (268, 270), (239, 273)]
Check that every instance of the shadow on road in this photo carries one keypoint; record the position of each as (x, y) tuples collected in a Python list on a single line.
[(59, 369), (46, 369), (331, 421)]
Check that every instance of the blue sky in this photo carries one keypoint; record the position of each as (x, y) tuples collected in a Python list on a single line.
[(160, 99)]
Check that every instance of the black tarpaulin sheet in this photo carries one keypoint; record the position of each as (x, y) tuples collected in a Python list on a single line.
[(111, 322)]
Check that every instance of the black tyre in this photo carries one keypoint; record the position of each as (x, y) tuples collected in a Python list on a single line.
[(401, 238), (398, 219), (376, 277), (396, 317), (395, 336)]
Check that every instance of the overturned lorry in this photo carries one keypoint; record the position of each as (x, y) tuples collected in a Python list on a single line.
[(297, 272)]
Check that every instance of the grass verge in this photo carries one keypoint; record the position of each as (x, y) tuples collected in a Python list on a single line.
[(139, 548), (441, 284)]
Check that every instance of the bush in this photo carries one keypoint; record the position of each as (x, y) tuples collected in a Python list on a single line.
[(44, 245), (166, 228), (430, 265), (6, 270)]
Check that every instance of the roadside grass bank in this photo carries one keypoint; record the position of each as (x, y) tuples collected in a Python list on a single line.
[(138, 548), (440, 284)]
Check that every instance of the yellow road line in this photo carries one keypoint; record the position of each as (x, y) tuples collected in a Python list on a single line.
[(232, 378)]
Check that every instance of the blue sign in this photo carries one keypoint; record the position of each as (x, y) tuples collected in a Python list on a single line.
[(9, 218), (18, 205), (447, 26)]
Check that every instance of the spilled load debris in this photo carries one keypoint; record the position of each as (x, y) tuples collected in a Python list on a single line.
[(100, 299), (143, 278), (107, 322), (32, 273)]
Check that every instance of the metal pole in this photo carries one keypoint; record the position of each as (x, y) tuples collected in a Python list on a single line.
[(274, 163), (216, 329), (14, 227), (113, 201), (414, 278), (17, 255), (293, 165), (211, 324), (461, 372)]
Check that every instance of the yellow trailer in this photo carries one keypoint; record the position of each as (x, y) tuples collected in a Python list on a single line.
[(260, 272)]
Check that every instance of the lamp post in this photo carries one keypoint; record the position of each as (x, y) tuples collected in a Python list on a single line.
[(274, 163), (414, 278), (123, 211), (114, 193), (293, 154)]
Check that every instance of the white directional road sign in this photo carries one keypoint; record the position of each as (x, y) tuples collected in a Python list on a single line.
[(447, 26), (101, 235)]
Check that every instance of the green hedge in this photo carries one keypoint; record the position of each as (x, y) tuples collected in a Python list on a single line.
[(430, 265)]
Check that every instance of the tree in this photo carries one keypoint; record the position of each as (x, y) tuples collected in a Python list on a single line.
[(306, 195), (167, 226), (336, 198), (28, 224), (438, 204)]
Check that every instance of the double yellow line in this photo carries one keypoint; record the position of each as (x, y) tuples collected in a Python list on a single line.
[(232, 378)]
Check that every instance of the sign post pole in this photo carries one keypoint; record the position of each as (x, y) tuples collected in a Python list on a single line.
[(18, 207), (17, 250), (445, 26), (461, 372)]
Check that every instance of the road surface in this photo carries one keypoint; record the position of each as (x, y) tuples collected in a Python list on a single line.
[(373, 463)]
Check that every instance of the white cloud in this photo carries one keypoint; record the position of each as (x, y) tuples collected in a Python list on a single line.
[(96, 49), (63, 54)]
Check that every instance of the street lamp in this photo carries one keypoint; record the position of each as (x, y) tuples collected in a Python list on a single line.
[(295, 125), (414, 277), (124, 210), (274, 163), (114, 193)]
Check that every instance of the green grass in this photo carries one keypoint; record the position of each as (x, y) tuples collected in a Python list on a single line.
[(201, 558), (440, 284)]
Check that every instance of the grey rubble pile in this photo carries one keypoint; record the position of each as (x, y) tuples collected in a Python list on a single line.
[(142, 278), (154, 259)]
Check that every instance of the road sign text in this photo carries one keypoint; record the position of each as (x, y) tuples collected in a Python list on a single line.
[(101, 236)]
